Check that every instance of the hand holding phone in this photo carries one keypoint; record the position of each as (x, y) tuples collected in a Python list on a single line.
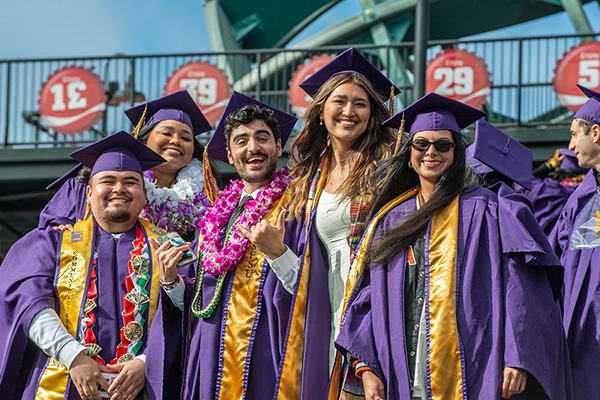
[(188, 256)]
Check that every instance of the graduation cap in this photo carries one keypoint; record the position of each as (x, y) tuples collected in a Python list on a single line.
[(434, 112), (72, 173), (178, 106), (570, 163), (217, 145), (117, 152), (350, 60), (590, 111), (494, 152)]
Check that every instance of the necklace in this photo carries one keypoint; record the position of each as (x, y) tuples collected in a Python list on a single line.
[(217, 256), (180, 207), (135, 303)]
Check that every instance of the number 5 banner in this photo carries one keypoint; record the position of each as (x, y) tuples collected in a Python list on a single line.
[(72, 100), (580, 65), (207, 85), (459, 75)]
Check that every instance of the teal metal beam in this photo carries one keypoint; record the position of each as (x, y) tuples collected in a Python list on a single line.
[(396, 70), (222, 39), (578, 18)]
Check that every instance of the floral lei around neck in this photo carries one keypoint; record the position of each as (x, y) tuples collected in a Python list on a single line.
[(217, 258), (180, 207)]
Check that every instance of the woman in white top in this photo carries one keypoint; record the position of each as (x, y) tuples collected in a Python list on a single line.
[(333, 155)]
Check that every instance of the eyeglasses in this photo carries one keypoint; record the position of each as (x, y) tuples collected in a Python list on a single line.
[(443, 146)]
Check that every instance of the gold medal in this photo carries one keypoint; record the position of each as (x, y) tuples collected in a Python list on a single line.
[(134, 331), (137, 298), (89, 306), (125, 357), (93, 349), (140, 265)]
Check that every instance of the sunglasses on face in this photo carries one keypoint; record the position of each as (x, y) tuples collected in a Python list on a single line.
[(442, 145)]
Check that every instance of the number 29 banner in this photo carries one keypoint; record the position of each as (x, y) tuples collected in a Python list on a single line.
[(207, 85), (460, 75)]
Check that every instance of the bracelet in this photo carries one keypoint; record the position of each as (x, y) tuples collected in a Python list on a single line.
[(170, 285)]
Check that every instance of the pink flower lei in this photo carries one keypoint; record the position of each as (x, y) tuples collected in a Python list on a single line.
[(216, 259)]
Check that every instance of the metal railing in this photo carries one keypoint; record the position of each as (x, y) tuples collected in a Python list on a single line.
[(522, 93)]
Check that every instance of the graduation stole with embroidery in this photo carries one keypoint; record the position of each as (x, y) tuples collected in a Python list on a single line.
[(444, 352), (75, 285), (240, 312)]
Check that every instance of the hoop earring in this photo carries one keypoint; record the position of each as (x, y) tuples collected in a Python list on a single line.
[(410, 164)]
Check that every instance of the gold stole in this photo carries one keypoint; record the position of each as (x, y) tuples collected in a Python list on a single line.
[(71, 283), (356, 271), (291, 373), (242, 313), (444, 346), (444, 350)]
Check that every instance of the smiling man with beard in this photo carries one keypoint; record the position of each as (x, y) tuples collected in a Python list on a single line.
[(77, 303), (238, 305)]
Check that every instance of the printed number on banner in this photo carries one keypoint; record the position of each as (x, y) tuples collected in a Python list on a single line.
[(74, 90), (589, 72), (455, 80), (203, 90)]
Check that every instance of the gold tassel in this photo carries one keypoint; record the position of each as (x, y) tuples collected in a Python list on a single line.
[(140, 124), (211, 190), (392, 101), (399, 136)]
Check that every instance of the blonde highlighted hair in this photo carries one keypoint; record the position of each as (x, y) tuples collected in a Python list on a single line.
[(373, 145)]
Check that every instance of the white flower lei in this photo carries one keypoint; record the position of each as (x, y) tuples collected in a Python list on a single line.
[(177, 208)]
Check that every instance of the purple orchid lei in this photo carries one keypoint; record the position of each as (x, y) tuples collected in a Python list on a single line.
[(180, 207), (217, 259)]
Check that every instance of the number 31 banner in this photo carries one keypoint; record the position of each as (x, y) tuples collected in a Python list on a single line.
[(72, 100), (207, 85), (580, 65), (460, 75)]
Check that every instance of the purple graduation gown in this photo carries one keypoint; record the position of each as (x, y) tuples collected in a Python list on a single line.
[(548, 197), (203, 355), (581, 301), (27, 285), (506, 313), (66, 206)]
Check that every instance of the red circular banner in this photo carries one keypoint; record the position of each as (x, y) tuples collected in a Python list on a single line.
[(207, 85), (299, 100), (580, 65), (72, 100), (459, 75)]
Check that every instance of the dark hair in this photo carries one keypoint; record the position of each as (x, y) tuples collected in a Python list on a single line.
[(402, 178), (373, 145), (560, 174), (586, 125), (144, 135), (249, 113), (83, 176)]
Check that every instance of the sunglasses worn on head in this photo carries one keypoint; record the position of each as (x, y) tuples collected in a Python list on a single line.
[(442, 145)]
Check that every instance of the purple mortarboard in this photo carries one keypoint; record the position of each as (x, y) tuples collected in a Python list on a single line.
[(349, 61), (69, 174), (117, 152), (570, 163), (217, 146), (178, 106), (590, 111), (434, 112), (495, 152)]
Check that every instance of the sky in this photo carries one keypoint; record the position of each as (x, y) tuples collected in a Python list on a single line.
[(75, 28)]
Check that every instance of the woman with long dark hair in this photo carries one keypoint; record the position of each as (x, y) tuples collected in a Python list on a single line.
[(175, 189), (339, 146), (451, 294)]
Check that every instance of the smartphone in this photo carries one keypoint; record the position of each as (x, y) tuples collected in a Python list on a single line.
[(110, 378), (176, 240)]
